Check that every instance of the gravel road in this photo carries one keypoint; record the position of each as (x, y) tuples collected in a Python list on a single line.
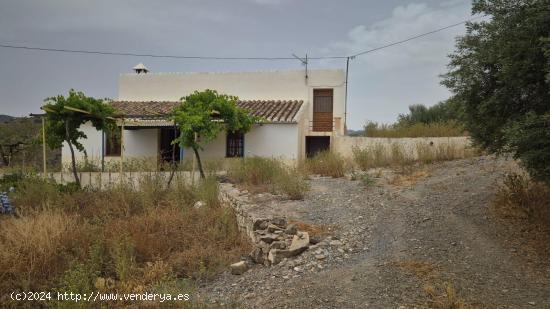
[(399, 246)]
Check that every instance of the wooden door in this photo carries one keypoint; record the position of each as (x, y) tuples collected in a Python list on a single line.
[(322, 110)]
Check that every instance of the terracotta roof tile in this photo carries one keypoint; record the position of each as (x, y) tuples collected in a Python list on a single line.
[(284, 111)]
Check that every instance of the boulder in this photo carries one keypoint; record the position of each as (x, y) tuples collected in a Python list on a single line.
[(269, 238), (260, 224), (278, 245), (198, 204), (257, 255), (239, 268), (299, 244), (272, 228), (281, 222), (275, 256)]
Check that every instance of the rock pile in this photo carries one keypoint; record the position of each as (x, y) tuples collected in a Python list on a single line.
[(275, 240)]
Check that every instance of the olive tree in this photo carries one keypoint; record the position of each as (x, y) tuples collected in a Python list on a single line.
[(500, 74)]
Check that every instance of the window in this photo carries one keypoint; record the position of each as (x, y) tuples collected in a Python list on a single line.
[(112, 143), (235, 144)]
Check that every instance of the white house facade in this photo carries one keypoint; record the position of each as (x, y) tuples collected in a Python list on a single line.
[(303, 113)]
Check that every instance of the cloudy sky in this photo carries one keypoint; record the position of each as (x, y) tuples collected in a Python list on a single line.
[(382, 84)]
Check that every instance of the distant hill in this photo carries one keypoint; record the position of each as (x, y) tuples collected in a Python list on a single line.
[(5, 118)]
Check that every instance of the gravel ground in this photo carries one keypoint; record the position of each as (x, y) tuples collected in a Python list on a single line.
[(398, 246)]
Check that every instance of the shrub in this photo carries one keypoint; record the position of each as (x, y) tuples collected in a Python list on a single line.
[(292, 183), (326, 163), (519, 196)]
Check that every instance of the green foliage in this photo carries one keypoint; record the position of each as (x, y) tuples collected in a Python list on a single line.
[(63, 124), (11, 180), (499, 74), (529, 139), (59, 120), (123, 257), (78, 278), (442, 112), (292, 184), (203, 115), (20, 135)]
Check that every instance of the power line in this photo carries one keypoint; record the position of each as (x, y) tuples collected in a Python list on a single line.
[(113, 53), (415, 37)]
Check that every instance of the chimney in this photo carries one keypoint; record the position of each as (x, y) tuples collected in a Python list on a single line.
[(141, 68)]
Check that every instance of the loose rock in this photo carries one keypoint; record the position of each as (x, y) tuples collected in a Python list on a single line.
[(239, 268)]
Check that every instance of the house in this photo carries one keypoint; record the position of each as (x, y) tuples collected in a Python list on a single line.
[(303, 113)]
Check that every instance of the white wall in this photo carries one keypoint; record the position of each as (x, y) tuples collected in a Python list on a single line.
[(345, 144), (92, 144), (268, 140), (140, 143), (269, 85), (273, 140)]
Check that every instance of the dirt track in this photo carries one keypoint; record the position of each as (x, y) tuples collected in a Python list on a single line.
[(401, 245)]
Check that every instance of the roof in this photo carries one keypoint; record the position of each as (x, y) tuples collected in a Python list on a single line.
[(274, 111)]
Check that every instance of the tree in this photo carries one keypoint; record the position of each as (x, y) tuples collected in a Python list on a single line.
[(65, 115), (17, 135), (203, 115), (500, 75), (442, 112)]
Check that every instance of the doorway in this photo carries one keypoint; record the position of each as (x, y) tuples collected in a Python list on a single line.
[(315, 144), (166, 136)]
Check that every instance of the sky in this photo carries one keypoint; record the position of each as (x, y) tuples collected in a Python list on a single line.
[(381, 85)]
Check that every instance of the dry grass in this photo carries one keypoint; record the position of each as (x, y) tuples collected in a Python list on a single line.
[(140, 240), (438, 295), (326, 163), (409, 178), (272, 175), (420, 269), (415, 130), (445, 297), (520, 197), (313, 230), (395, 155)]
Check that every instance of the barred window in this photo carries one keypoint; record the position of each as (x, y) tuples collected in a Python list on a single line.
[(235, 144)]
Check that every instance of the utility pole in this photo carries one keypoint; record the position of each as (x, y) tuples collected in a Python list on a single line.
[(346, 98), (44, 145)]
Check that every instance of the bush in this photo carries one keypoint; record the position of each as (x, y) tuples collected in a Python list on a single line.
[(519, 196), (326, 163), (292, 183)]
